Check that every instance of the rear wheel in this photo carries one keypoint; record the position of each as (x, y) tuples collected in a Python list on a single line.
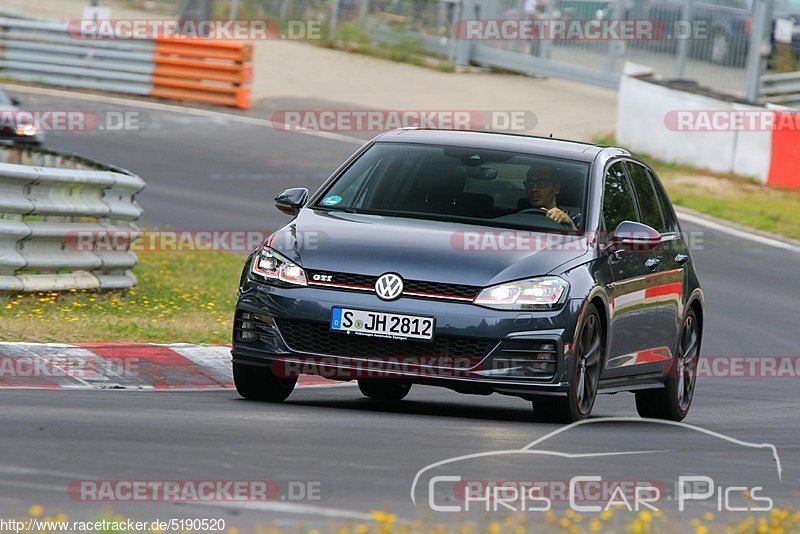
[(261, 384), (588, 352), (673, 402), (384, 389)]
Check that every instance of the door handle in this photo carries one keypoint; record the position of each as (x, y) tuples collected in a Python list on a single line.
[(652, 263), (680, 259)]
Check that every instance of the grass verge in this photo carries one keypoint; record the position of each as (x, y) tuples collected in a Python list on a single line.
[(728, 196), (180, 297)]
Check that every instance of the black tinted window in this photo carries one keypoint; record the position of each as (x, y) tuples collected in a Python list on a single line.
[(666, 208), (618, 203), (649, 206), (462, 184)]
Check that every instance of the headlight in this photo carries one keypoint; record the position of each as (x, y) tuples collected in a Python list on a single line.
[(545, 293), (273, 266), (27, 129)]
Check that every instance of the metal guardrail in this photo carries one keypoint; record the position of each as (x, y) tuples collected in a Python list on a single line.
[(44, 52), (781, 88), (14, 15), (57, 213), (196, 70)]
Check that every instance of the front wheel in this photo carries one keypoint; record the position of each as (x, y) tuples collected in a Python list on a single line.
[(261, 384), (588, 353), (672, 403), (384, 388)]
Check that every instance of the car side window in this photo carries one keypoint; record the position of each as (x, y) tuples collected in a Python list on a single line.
[(666, 208), (618, 202), (649, 206)]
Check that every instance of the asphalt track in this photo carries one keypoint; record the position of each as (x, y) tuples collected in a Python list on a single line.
[(218, 173)]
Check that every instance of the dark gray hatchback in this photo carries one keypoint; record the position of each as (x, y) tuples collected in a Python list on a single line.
[(485, 263)]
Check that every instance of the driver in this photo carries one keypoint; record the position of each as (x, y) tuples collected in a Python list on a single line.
[(542, 187)]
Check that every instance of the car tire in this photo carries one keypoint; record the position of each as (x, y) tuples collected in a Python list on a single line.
[(673, 402), (260, 383), (384, 389), (589, 352)]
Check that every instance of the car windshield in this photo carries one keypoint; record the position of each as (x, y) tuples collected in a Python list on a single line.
[(465, 185)]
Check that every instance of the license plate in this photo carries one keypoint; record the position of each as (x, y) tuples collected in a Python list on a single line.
[(380, 324)]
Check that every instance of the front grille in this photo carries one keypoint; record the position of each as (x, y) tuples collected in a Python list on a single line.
[(420, 289), (313, 337), (445, 290), (360, 280)]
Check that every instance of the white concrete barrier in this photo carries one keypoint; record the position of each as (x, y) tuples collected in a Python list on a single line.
[(725, 136)]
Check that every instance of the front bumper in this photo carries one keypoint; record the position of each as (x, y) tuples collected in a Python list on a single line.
[(475, 349)]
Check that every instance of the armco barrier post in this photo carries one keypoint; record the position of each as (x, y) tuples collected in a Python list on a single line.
[(758, 48), (334, 18), (615, 46), (683, 44), (463, 53)]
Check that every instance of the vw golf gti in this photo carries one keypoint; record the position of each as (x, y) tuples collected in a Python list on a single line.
[(486, 263)]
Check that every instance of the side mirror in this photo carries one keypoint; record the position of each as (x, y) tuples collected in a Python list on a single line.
[(634, 237), (291, 200), (15, 101)]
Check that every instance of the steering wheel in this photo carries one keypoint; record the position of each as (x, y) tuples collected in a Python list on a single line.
[(540, 211), (537, 211)]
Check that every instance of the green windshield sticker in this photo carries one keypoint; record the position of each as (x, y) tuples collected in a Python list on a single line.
[(331, 200)]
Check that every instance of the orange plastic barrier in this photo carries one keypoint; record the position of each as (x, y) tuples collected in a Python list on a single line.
[(203, 70), (785, 155)]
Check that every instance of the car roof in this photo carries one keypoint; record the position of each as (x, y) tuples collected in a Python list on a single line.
[(526, 144)]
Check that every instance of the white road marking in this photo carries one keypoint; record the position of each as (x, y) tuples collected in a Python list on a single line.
[(720, 227), (31, 485)]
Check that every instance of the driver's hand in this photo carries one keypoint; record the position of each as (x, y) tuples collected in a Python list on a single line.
[(560, 217)]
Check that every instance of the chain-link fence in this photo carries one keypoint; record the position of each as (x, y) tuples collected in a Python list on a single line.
[(725, 45)]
